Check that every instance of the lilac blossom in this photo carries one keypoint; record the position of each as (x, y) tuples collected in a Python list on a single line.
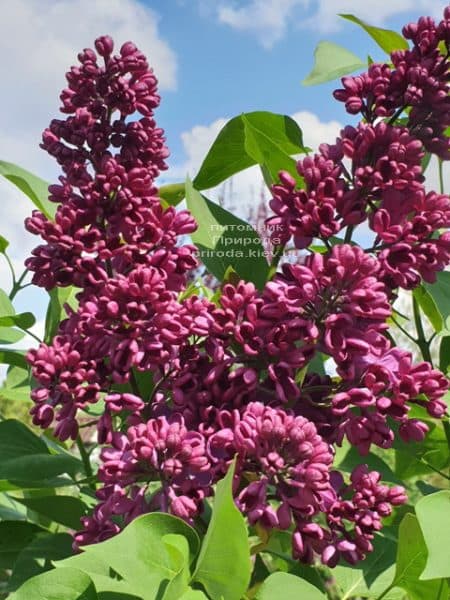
[(188, 384)]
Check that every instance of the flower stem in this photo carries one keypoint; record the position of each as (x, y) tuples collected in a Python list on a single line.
[(11, 268), (31, 334), (386, 591), (278, 253), (348, 234), (403, 330), (17, 284), (85, 459), (396, 115), (421, 340), (441, 175)]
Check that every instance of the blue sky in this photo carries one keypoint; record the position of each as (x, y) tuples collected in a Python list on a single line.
[(214, 59), (223, 71)]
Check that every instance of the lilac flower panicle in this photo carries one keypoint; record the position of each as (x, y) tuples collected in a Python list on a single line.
[(187, 385), (417, 79)]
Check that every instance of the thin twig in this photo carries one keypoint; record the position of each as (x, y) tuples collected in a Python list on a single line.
[(278, 253), (85, 460), (17, 285), (421, 340)]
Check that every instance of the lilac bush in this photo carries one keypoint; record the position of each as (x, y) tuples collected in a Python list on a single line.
[(234, 376)]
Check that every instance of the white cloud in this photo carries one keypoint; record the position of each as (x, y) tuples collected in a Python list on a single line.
[(315, 131), (268, 20), (39, 40)]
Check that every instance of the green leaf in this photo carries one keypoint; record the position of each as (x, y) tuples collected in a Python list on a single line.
[(23, 320), (440, 293), (35, 469), (421, 458), (32, 186), (139, 555), (223, 566), (279, 546), (66, 510), (26, 459), (290, 586), (332, 61), (13, 357), (429, 307), (113, 589), (411, 559), (91, 563), (193, 595), (56, 312), (317, 364), (144, 380), (17, 378), (6, 307), (17, 440), (59, 584), (3, 244), (261, 147), (388, 40), (370, 576), (352, 459), (226, 241), (19, 394), (178, 548), (14, 536), (10, 335), (433, 514), (425, 161), (229, 153), (38, 556), (101, 574), (444, 354), (425, 488), (172, 193), (9, 510)]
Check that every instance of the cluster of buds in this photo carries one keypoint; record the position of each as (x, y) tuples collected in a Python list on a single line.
[(186, 384)]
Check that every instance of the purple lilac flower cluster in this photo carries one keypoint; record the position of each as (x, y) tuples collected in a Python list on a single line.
[(374, 171), (233, 378), (417, 80), (110, 237)]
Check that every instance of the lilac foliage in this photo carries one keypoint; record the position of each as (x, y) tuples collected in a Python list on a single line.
[(235, 378)]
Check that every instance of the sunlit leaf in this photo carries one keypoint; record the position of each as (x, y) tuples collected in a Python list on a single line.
[(139, 555), (232, 151), (59, 584), (289, 587), (226, 241), (387, 39), (66, 510), (411, 560), (433, 514), (223, 566), (32, 186), (332, 61)]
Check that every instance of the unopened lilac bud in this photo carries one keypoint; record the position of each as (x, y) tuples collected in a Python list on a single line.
[(104, 45), (127, 49)]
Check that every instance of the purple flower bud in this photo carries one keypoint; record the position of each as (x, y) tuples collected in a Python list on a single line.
[(104, 45)]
